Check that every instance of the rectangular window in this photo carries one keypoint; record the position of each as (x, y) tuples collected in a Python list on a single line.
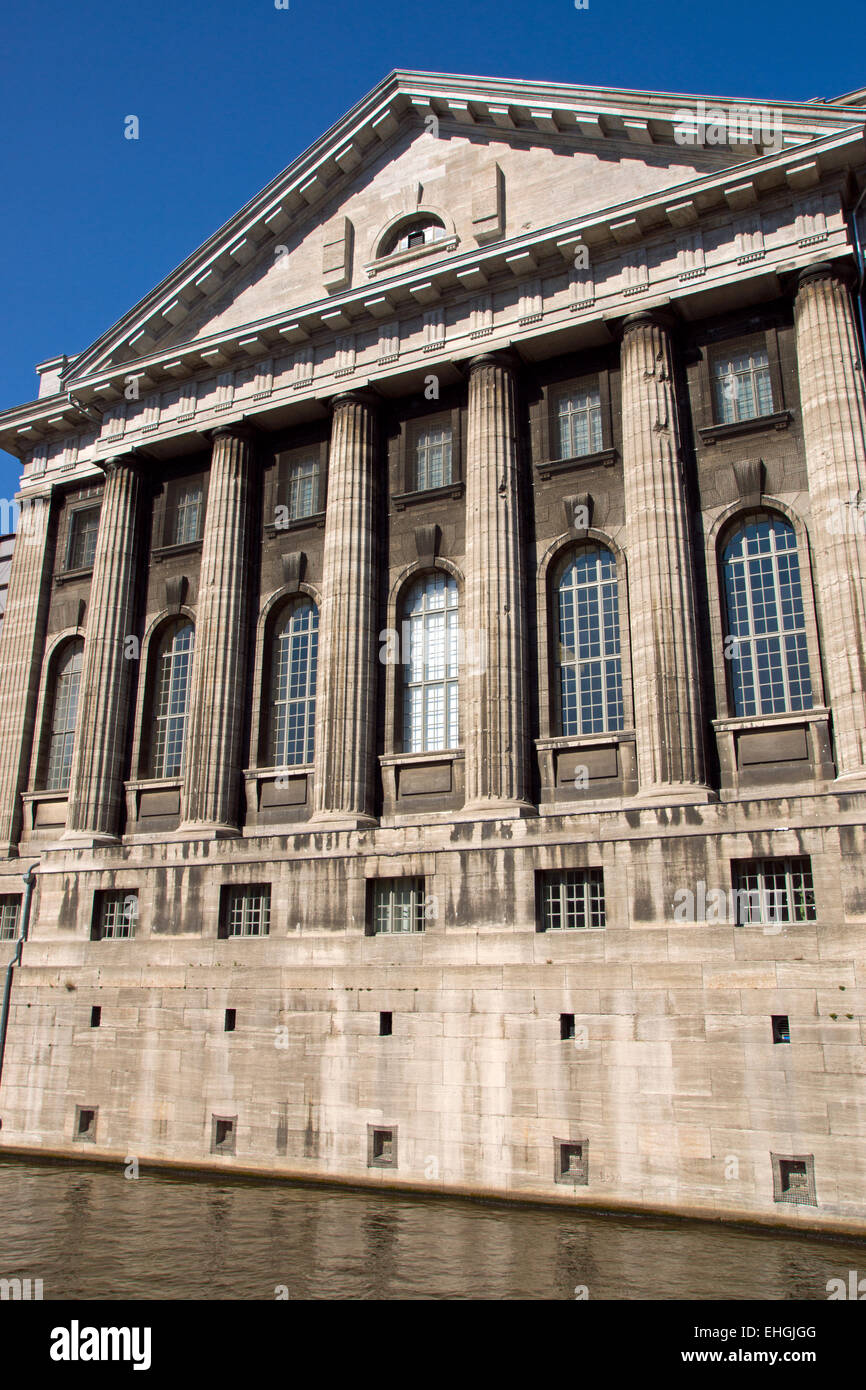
[(571, 1161), (246, 911), (398, 905), (223, 1134), (85, 1124), (10, 910), (566, 1026), (231, 1017), (578, 420), (386, 1025), (96, 1016), (381, 1147), (188, 514), (742, 389), (572, 900), (794, 1179), (302, 488), (114, 914), (84, 528), (774, 891), (433, 458)]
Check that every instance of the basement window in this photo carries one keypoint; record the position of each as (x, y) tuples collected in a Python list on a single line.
[(85, 1124), (223, 1135), (794, 1179), (381, 1147), (96, 1015), (10, 909), (571, 1158), (115, 913), (386, 1025), (230, 1020), (566, 1026), (245, 911), (781, 1030)]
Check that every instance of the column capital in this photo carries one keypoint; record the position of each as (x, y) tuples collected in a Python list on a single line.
[(241, 429), (505, 358), (131, 460), (648, 318), (825, 270), (361, 396)]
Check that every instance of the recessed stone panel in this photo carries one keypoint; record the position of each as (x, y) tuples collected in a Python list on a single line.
[(777, 746)]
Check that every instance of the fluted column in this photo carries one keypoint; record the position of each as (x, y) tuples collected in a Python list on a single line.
[(834, 434), (213, 754), (493, 679), (667, 701), (96, 778), (22, 642), (347, 668)]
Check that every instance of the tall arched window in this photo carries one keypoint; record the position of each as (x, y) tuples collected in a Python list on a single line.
[(766, 628), (430, 661), (589, 667), (171, 699), (64, 712), (293, 694)]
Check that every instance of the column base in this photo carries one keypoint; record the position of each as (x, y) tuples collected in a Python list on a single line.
[(86, 839), (491, 808), (336, 820), (675, 794), (205, 830)]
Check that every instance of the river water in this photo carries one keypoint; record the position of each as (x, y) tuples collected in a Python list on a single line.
[(90, 1233)]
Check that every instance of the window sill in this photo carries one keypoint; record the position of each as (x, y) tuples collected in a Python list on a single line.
[(439, 755), (711, 434), (402, 500), (547, 467), (165, 552), (397, 259), (69, 576), (740, 722), (300, 523)]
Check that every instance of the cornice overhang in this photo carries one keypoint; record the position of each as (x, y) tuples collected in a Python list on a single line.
[(538, 109), (88, 386)]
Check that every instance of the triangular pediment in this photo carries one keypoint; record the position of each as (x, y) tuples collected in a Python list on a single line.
[(492, 161)]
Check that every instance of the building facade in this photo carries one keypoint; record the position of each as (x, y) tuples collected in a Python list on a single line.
[(433, 679)]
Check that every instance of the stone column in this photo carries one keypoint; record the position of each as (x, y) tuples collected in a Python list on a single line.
[(834, 434), (214, 745), (493, 679), (347, 668), (96, 778), (665, 672), (22, 643)]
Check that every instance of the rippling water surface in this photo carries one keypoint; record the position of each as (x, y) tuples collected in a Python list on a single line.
[(90, 1233)]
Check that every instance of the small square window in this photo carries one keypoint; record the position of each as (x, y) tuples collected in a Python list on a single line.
[(774, 891), (381, 1147), (230, 1020), (96, 1016), (85, 1124), (395, 905), (794, 1179), (245, 911), (571, 900), (386, 1025), (10, 910), (781, 1030), (115, 912), (566, 1026), (571, 1161), (83, 531), (223, 1134)]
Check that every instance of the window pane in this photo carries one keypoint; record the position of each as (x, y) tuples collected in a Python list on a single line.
[(82, 548), (742, 386), (117, 913), (64, 715), (430, 659), (433, 458), (188, 516), (293, 710), (573, 900), (764, 610), (774, 891), (398, 905), (10, 908), (303, 489), (589, 665), (579, 423), (171, 700), (248, 911)]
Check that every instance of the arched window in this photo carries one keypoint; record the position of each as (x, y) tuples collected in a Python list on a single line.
[(293, 693), (173, 667), (765, 624), (430, 659), (589, 668), (64, 712), (416, 231)]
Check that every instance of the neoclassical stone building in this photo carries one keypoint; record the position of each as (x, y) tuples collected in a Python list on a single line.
[(432, 680)]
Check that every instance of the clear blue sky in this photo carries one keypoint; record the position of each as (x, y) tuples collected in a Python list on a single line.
[(228, 93)]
